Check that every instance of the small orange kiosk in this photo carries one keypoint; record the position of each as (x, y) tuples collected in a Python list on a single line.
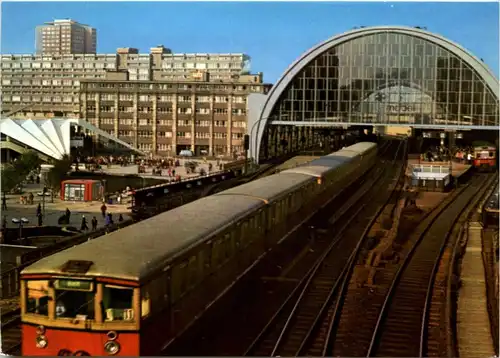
[(82, 190)]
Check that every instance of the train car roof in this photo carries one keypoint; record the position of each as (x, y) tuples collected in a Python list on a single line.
[(270, 187), (135, 251), (361, 147), (345, 153), (316, 171)]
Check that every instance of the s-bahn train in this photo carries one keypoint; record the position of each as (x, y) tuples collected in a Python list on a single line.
[(130, 293), (485, 158)]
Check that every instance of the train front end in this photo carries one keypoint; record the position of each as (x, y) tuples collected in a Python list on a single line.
[(72, 315), (485, 158)]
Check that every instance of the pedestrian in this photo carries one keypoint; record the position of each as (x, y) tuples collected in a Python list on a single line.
[(68, 215), (103, 210), (108, 220), (31, 198), (39, 209), (40, 219), (4, 202), (94, 223), (120, 218), (83, 226)]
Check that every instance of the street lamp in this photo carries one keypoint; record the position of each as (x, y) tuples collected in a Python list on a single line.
[(20, 222), (44, 192)]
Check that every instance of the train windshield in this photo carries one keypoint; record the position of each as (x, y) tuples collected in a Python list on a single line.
[(79, 299), (74, 299)]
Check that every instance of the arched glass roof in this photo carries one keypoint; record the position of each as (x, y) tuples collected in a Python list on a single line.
[(385, 75)]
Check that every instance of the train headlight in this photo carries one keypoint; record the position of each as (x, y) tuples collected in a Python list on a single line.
[(112, 335), (41, 342), (40, 330), (112, 347)]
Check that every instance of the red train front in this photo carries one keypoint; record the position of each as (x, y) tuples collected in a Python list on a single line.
[(78, 316), (485, 158)]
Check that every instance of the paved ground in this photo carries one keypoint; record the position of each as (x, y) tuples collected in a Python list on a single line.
[(54, 210), (181, 170)]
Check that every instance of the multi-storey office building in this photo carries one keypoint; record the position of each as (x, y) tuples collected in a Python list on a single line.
[(63, 37), (44, 86), (164, 118)]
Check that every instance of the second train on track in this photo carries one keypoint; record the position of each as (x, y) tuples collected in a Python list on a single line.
[(133, 291)]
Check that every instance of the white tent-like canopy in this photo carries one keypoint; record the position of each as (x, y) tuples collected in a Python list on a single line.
[(50, 136)]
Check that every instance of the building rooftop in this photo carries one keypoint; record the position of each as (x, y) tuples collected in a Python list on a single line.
[(50, 137)]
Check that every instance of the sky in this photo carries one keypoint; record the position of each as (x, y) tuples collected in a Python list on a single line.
[(273, 34)]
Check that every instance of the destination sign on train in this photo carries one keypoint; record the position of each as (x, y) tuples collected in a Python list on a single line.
[(73, 285)]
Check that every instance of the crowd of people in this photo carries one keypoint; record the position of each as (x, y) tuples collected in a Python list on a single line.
[(463, 155), (157, 166)]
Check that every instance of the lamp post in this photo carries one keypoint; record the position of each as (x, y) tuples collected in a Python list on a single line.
[(44, 192), (104, 190), (20, 222)]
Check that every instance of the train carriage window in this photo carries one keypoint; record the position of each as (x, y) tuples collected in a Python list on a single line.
[(258, 223), (251, 229), (208, 254), (37, 297), (192, 271), (245, 233), (228, 246), (217, 253), (117, 303), (183, 277), (178, 280), (236, 234)]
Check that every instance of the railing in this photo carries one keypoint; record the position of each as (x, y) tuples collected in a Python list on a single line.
[(184, 180), (10, 278), (425, 168)]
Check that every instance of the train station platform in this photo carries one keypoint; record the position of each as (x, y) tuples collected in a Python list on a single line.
[(473, 322), (457, 169)]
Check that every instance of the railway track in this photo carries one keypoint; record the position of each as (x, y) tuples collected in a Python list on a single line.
[(387, 318), (463, 257), (258, 296), (11, 333), (296, 328)]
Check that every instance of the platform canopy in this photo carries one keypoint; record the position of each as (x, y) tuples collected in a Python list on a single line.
[(51, 137)]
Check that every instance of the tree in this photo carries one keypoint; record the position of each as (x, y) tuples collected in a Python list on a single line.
[(14, 174), (57, 174), (27, 162), (9, 178)]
